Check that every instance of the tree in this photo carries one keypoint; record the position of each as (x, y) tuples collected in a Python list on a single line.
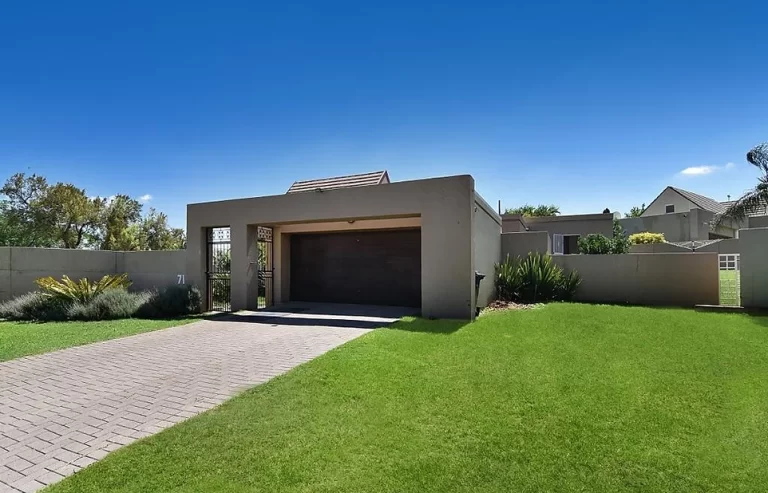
[(74, 215), (541, 210), (23, 220), (36, 214), (756, 198), (155, 234), (118, 217), (635, 211), (606, 211)]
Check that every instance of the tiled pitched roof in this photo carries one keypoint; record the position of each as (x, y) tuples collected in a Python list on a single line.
[(701, 201), (761, 210), (361, 180)]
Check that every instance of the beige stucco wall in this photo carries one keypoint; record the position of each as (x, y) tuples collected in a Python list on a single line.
[(675, 279), (722, 247), (149, 270), (659, 248), (20, 267), (758, 222), (521, 244), (577, 224), (668, 196), (683, 226), (754, 267), (444, 206), (487, 231)]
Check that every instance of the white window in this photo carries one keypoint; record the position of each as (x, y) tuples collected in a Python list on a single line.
[(558, 244), (670, 208)]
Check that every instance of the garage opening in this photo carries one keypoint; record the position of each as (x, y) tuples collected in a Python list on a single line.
[(362, 267)]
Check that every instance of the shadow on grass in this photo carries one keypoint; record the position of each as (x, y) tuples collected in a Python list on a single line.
[(441, 326), (407, 324)]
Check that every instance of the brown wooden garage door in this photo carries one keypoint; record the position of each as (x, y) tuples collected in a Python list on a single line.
[(363, 267)]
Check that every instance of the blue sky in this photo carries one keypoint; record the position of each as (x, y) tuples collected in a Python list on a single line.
[(587, 105)]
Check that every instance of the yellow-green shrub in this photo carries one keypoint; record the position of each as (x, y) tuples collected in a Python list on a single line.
[(646, 238), (82, 290)]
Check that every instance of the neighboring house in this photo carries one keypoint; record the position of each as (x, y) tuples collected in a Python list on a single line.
[(355, 239), (564, 231), (681, 215)]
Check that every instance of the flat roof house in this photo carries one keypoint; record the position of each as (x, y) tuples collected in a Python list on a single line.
[(355, 239)]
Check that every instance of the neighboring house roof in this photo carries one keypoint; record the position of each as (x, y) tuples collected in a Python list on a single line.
[(361, 180), (761, 210), (701, 201)]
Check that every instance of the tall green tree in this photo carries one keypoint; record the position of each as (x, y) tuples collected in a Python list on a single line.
[(75, 216), (541, 210), (120, 213), (755, 199), (24, 221), (156, 234), (635, 211)]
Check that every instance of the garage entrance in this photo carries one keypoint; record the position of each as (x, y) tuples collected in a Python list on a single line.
[(360, 267)]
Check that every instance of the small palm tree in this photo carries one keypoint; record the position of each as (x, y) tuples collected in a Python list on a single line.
[(757, 197)]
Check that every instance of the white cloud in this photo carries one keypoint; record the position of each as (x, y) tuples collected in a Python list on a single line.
[(705, 170), (145, 198), (698, 170)]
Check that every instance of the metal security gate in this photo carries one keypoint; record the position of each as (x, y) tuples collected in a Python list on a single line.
[(730, 279), (219, 270), (265, 267)]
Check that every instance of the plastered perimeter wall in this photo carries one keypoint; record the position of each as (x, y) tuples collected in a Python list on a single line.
[(522, 243), (754, 267), (19, 267), (487, 228), (673, 279)]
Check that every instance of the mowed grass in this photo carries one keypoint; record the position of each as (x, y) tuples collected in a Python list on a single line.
[(563, 398), (19, 339), (730, 287)]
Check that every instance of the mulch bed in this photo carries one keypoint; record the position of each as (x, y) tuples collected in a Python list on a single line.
[(499, 305)]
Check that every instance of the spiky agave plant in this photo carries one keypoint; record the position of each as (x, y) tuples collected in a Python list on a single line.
[(83, 290)]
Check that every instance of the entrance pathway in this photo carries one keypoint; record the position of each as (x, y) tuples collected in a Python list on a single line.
[(61, 411)]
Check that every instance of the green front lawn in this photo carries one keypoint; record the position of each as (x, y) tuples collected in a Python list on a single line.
[(19, 339), (563, 398)]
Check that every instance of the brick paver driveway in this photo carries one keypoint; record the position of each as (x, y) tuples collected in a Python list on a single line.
[(62, 411)]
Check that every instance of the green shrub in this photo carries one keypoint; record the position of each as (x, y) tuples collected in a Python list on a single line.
[(109, 305), (173, 301), (595, 244), (34, 306), (646, 238), (82, 290), (534, 278)]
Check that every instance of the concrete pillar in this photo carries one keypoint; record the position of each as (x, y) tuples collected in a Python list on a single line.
[(240, 272), (252, 269), (754, 267)]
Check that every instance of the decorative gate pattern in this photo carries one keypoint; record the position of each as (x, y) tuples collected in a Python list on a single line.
[(265, 267), (730, 279), (219, 270)]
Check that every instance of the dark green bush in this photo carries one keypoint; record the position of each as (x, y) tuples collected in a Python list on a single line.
[(173, 301), (109, 305), (534, 278), (34, 306)]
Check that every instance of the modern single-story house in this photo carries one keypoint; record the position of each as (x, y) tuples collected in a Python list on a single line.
[(564, 231), (357, 239)]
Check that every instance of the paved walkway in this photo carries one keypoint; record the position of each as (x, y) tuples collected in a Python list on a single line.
[(62, 411)]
